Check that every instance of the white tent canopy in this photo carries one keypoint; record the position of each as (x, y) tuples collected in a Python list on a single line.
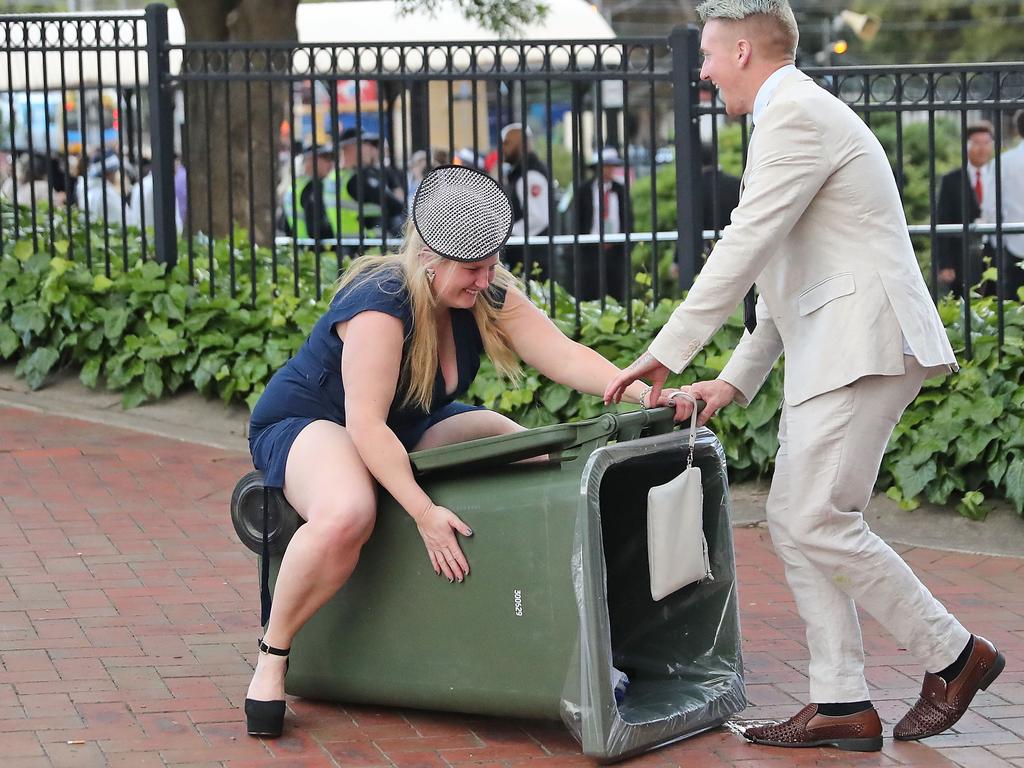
[(379, 21), (375, 21)]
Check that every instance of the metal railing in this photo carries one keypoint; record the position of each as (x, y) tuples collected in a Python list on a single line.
[(59, 75), (238, 209)]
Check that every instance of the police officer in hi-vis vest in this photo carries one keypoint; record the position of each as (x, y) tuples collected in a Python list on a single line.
[(308, 219), (355, 197)]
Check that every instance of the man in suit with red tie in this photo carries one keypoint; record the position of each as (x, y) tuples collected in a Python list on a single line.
[(951, 209), (820, 229)]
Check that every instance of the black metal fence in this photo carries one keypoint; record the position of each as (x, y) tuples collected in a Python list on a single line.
[(274, 162)]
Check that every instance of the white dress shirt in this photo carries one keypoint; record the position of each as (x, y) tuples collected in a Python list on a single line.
[(988, 188), (1012, 198), (114, 213), (764, 93), (612, 223), (532, 191), (136, 212)]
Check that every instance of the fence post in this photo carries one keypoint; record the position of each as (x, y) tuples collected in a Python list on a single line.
[(685, 44), (161, 136), (419, 100)]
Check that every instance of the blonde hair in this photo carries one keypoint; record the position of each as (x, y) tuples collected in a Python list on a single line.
[(785, 35), (419, 368)]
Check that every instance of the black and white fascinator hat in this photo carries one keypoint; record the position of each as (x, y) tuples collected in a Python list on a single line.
[(462, 213)]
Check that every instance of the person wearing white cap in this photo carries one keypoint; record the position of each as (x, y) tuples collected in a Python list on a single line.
[(105, 196), (528, 189), (602, 209), (379, 377)]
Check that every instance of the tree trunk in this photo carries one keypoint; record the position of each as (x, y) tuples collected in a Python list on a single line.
[(232, 128)]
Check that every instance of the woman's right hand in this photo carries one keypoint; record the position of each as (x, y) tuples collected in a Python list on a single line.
[(437, 525)]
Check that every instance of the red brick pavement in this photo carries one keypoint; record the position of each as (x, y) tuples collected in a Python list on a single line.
[(128, 614)]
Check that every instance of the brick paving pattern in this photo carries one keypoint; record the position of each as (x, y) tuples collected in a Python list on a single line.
[(128, 614)]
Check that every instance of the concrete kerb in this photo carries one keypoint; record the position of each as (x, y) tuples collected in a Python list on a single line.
[(190, 417), (187, 416)]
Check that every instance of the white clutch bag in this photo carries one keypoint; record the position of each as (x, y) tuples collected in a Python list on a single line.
[(676, 546)]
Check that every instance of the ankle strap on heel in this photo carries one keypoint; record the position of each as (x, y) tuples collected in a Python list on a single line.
[(264, 648)]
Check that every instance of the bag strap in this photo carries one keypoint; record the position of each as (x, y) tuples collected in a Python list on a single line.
[(693, 423)]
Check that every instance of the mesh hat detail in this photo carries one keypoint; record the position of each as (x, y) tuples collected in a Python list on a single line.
[(461, 213)]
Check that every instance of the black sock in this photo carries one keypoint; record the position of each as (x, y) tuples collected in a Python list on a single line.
[(845, 708), (957, 666)]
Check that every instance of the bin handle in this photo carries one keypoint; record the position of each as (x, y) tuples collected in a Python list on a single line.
[(634, 424), (652, 421), (514, 447), (556, 438)]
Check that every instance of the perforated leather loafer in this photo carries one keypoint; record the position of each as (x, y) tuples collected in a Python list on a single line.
[(941, 703), (859, 732)]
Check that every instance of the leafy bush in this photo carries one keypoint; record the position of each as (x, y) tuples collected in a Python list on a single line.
[(143, 331), (963, 438), (147, 333)]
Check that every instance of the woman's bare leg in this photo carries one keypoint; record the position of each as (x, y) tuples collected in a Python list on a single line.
[(467, 426), (329, 486)]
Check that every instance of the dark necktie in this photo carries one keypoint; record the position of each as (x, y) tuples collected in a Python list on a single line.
[(750, 300)]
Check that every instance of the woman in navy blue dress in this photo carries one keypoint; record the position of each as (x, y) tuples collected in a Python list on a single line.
[(379, 377)]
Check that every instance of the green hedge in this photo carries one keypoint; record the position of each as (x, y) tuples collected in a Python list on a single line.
[(146, 334)]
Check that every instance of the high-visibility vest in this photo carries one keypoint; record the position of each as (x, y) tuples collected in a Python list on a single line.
[(293, 212), (337, 200)]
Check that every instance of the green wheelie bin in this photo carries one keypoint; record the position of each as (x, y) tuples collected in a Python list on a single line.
[(558, 596)]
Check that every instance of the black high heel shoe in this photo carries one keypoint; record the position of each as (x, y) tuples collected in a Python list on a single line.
[(266, 718)]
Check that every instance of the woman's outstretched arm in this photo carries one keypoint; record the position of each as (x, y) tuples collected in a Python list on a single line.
[(540, 343)]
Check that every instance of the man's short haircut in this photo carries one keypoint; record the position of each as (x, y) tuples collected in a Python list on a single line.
[(981, 126), (776, 12), (1018, 120)]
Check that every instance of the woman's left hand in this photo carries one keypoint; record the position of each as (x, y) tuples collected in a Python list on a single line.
[(437, 525)]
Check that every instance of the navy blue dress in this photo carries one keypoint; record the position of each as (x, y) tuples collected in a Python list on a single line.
[(309, 386)]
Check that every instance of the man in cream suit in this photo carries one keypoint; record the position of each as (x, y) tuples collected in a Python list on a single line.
[(820, 230)]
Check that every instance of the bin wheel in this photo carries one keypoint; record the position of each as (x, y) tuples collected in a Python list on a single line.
[(247, 515)]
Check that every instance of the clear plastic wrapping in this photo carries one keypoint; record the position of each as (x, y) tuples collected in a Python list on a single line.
[(682, 654)]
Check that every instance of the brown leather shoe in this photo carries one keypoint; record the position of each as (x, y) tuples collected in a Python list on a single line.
[(861, 732), (942, 704)]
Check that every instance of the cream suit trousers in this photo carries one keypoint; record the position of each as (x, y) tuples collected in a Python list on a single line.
[(830, 450)]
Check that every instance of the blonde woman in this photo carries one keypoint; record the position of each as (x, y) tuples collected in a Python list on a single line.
[(379, 377)]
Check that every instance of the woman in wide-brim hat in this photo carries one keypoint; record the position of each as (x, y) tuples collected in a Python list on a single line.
[(379, 377)]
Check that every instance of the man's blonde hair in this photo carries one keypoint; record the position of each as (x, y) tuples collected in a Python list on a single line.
[(775, 15)]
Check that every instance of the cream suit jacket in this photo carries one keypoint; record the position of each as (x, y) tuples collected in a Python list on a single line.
[(820, 229)]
